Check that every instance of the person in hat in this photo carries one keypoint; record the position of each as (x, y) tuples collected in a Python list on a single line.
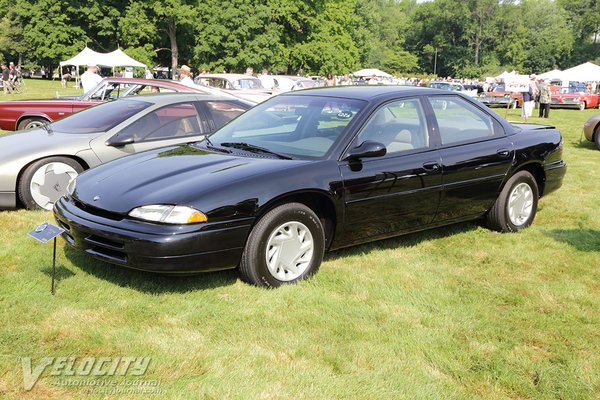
[(529, 98), (90, 78), (185, 76), (545, 98)]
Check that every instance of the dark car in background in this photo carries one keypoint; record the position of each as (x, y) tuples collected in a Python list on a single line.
[(309, 171), (36, 165)]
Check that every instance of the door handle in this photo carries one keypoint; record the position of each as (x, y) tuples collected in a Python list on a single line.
[(431, 166), (503, 153)]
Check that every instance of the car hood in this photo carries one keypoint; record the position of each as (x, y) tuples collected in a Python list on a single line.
[(37, 142), (183, 175)]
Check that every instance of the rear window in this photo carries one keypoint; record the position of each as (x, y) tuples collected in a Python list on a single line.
[(100, 118)]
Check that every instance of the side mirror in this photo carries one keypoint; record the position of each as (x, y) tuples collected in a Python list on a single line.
[(366, 149), (116, 141)]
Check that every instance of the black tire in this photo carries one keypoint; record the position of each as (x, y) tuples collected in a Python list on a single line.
[(32, 122), (499, 216), (582, 105), (254, 267), (597, 137), (514, 105), (54, 190)]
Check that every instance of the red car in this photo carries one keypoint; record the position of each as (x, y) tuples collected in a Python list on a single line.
[(572, 97), (499, 96), (17, 115)]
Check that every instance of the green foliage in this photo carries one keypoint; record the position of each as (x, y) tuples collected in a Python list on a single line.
[(454, 37)]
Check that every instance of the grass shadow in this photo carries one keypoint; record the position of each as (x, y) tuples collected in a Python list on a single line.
[(583, 143), (62, 273), (581, 239), (404, 241), (146, 281)]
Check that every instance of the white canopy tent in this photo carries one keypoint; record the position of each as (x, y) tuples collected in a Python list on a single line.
[(113, 59), (586, 72), (554, 74), (88, 56), (372, 72)]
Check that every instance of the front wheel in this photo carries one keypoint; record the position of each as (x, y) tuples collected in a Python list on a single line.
[(33, 122), (285, 246), (582, 105), (516, 206), (597, 137), (46, 180)]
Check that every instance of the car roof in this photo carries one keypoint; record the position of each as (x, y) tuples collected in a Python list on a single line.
[(367, 92), (167, 98), (227, 76)]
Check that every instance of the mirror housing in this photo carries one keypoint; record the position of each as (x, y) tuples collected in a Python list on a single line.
[(367, 149), (115, 141)]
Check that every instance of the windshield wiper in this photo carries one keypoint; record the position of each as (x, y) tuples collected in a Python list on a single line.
[(209, 145), (255, 149)]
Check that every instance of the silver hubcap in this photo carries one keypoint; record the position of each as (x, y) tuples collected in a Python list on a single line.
[(33, 124), (520, 204), (289, 251), (50, 182)]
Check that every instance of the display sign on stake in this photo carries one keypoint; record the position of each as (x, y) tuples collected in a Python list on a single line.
[(44, 233)]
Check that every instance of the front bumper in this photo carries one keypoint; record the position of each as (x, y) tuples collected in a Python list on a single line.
[(8, 200), (152, 247), (491, 101)]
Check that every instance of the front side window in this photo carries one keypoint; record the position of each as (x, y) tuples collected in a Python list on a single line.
[(399, 126), (299, 126), (224, 111), (459, 121), (169, 122)]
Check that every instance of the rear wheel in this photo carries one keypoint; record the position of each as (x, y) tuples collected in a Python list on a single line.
[(46, 180), (285, 246), (33, 122), (516, 206)]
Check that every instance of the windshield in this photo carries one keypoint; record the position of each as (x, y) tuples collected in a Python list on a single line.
[(100, 118), (296, 126)]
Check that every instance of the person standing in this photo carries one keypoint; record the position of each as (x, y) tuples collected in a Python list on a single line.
[(330, 80), (90, 78), (529, 98), (185, 76), (266, 80), (6, 79), (545, 99), (346, 81)]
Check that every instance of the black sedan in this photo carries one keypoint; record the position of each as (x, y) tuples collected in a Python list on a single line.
[(312, 171)]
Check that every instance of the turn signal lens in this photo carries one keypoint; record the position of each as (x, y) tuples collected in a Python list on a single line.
[(168, 214)]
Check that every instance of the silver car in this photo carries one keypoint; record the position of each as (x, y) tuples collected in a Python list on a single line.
[(37, 164)]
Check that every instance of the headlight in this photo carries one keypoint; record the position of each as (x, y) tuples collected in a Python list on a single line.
[(168, 214), (71, 186)]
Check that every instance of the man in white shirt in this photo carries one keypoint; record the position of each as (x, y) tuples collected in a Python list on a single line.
[(90, 78), (185, 76)]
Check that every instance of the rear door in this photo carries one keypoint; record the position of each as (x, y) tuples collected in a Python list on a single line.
[(476, 156)]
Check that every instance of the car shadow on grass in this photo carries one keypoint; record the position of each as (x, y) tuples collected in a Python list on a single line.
[(404, 241), (156, 283), (146, 281), (581, 239), (583, 143)]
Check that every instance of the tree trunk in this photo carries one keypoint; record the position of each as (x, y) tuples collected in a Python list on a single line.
[(172, 33)]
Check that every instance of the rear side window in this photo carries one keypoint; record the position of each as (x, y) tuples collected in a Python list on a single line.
[(169, 122), (459, 121)]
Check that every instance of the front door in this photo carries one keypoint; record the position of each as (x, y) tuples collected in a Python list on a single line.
[(400, 191)]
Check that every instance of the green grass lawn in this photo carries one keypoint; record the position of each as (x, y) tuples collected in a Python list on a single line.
[(41, 89), (458, 312)]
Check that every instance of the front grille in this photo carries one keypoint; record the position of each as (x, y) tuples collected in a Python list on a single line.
[(97, 211)]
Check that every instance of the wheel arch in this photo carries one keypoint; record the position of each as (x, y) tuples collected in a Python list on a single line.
[(318, 201), (537, 171), (79, 160), (28, 116)]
